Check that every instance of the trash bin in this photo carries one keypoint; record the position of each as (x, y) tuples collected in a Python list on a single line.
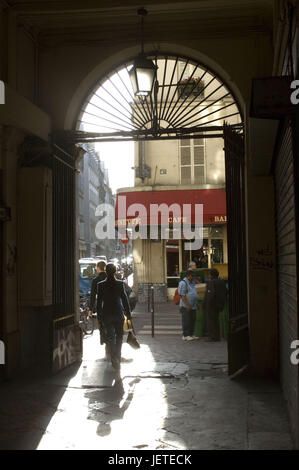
[(199, 320), (223, 322)]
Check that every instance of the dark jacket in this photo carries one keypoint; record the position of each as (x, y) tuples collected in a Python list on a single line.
[(94, 285), (112, 300), (216, 293)]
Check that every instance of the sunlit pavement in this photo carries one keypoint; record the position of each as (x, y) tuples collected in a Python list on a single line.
[(176, 395)]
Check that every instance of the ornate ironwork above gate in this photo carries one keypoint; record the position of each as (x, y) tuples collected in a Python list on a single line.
[(188, 99)]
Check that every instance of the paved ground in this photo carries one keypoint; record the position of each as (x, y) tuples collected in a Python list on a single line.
[(176, 395)]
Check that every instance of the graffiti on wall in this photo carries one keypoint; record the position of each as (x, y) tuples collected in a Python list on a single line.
[(11, 260), (65, 350), (262, 259)]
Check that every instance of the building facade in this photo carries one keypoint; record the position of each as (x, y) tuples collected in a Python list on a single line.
[(93, 189)]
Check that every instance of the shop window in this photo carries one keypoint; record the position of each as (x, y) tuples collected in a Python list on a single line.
[(216, 251), (216, 232), (200, 257), (211, 251), (172, 262)]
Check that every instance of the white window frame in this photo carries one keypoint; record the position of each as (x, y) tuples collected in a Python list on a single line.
[(192, 164)]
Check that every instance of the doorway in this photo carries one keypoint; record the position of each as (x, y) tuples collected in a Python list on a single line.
[(186, 110)]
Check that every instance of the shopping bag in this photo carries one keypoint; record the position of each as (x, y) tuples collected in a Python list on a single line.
[(132, 340)]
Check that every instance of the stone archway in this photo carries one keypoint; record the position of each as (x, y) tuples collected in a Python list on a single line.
[(96, 78), (92, 80)]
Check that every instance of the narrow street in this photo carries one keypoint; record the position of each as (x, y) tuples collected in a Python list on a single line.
[(176, 396)]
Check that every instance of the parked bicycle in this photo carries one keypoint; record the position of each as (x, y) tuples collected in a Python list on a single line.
[(85, 321)]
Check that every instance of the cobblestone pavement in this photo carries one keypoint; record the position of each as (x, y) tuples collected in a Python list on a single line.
[(176, 395)]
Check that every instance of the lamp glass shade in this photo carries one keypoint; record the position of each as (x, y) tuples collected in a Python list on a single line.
[(142, 75)]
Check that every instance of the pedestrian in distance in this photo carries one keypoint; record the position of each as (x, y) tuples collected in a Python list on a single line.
[(101, 275), (188, 305), (112, 302), (214, 302), (192, 267)]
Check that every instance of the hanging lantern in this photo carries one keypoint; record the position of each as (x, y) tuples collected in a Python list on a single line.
[(143, 73)]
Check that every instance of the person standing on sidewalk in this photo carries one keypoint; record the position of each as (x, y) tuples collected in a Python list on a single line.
[(111, 302), (214, 302), (188, 305), (192, 267)]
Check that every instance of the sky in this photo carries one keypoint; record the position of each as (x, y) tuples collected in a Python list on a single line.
[(119, 159), (109, 110)]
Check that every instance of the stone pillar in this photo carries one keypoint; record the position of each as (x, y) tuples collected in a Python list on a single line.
[(262, 301), (149, 269), (11, 139)]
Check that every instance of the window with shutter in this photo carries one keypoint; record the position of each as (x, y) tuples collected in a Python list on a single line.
[(199, 155), (192, 159), (185, 156), (199, 174), (185, 174)]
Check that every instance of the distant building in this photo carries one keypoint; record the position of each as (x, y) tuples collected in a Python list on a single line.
[(93, 189)]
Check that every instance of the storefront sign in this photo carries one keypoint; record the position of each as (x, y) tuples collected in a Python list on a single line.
[(212, 201), (220, 218)]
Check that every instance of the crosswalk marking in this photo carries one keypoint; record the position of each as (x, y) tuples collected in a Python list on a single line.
[(159, 332), (163, 326)]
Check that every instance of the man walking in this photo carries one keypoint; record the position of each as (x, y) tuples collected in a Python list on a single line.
[(188, 305), (101, 276), (112, 302), (214, 302)]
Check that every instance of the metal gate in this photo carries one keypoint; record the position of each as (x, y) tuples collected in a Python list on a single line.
[(1, 275), (238, 336), (285, 173), (63, 233), (67, 341)]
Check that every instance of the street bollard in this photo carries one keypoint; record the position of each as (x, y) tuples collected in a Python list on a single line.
[(153, 311), (148, 298)]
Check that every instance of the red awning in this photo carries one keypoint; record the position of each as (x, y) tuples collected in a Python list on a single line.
[(213, 200)]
